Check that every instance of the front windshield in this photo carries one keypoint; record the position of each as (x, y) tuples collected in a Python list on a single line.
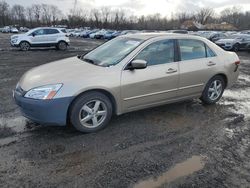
[(112, 52)]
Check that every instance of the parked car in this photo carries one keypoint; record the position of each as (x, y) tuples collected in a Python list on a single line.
[(70, 32), (248, 47), (77, 33), (100, 34), (41, 37), (108, 34), (93, 34), (115, 34), (6, 29), (234, 42), (214, 36), (88, 32), (129, 73), (24, 29), (14, 30)]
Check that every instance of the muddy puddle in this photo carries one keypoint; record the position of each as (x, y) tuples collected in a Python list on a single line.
[(16, 124), (188, 167), (240, 100)]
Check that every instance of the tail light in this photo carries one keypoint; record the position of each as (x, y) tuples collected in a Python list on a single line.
[(237, 63)]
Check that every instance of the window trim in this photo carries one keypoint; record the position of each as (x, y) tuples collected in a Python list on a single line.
[(126, 67), (205, 46)]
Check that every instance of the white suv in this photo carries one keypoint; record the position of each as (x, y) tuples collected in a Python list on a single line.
[(41, 37)]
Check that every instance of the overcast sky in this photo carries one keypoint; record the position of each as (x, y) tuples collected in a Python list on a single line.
[(142, 7)]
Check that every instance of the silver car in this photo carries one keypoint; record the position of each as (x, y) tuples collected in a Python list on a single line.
[(129, 73)]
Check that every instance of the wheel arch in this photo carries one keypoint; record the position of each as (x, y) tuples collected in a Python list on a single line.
[(103, 91), (223, 75), (24, 41), (61, 40)]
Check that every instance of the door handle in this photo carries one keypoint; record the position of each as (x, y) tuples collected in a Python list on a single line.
[(211, 63), (171, 70)]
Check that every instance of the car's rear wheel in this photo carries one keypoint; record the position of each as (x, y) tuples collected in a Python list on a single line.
[(62, 45), (236, 47), (91, 112), (24, 46), (213, 90)]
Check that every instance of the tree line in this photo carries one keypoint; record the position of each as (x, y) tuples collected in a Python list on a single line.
[(120, 18)]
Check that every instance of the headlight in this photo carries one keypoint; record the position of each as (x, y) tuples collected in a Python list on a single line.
[(14, 40), (14, 37), (43, 92)]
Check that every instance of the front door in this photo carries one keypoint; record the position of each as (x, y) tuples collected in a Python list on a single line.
[(155, 84)]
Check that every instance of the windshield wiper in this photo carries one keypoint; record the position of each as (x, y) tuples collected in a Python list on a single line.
[(89, 61)]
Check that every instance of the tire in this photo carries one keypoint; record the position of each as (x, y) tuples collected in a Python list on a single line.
[(24, 46), (210, 95), (61, 45), (236, 47), (86, 117)]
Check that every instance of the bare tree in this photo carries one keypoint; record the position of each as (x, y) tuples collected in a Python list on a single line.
[(231, 15), (4, 13), (96, 16), (105, 15), (203, 15), (29, 16), (18, 14), (37, 11)]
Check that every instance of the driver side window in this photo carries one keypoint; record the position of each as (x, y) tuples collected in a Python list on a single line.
[(159, 52)]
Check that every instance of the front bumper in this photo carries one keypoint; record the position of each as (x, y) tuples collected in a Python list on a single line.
[(14, 44), (48, 112)]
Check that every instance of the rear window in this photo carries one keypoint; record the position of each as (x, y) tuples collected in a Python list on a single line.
[(51, 31), (192, 49)]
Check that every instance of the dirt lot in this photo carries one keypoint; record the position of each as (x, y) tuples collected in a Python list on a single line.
[(179, 145)]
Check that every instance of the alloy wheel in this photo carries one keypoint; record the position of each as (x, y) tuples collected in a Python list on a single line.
[(93, 114), (215, 90)]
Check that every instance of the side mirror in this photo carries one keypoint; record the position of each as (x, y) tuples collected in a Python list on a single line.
[(138, 64), (33, 34)]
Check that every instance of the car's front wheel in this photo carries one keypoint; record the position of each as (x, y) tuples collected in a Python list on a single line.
[(62, 45), (213, 90), (91, 112), (24, 46)]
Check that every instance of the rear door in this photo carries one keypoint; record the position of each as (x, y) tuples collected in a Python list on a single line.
[(155, 84), (52, 35), (198, 64)]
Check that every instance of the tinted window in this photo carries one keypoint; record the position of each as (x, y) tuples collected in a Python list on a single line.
[(39, 32), (192, 49), (158, 53), (51, 31), (64, 30)]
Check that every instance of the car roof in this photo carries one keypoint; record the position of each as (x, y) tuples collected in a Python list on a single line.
[(48, 28), (146, 36)]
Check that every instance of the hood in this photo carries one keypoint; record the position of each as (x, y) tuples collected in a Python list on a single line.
[(17, 35), (62, 71), (226, 41)]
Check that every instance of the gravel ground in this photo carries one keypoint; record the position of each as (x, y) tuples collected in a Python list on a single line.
[(185, 144)]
